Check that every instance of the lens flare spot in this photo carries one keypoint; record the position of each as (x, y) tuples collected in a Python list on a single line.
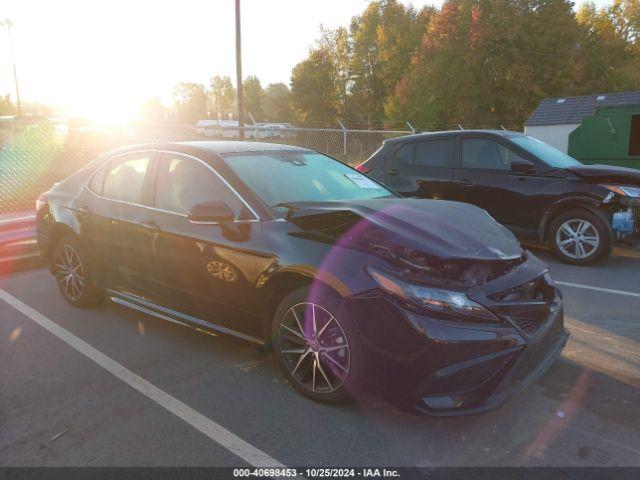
[(15, 334)]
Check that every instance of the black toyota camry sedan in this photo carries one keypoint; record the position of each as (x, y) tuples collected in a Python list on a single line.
[(431, 303)]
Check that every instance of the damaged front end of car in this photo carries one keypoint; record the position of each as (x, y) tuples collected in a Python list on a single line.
[(474, 317), (486, 335), (623, 205)]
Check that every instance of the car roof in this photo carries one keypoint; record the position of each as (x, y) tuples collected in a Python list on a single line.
[(234, 146), (451, 133), (211, 146)]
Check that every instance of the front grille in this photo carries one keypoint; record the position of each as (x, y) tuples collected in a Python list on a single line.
[(539, 289), (527, 324), (527, 305), (536, 354)]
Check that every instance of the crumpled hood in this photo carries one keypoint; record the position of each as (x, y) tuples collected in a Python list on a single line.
[(444, 229), (607, 174)]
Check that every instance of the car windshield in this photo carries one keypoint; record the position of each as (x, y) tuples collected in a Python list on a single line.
[(545, 152), (281, 177)]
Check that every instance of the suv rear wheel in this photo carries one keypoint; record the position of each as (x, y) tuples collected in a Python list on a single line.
[(580, 237)]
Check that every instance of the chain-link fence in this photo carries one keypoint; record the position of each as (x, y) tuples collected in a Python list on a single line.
[(33, 156)]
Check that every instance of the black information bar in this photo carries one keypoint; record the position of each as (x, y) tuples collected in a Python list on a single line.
[(398, 473)]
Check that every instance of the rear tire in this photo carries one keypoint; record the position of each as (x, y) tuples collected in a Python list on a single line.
[(580, 237), (73, 273), (324, 363)]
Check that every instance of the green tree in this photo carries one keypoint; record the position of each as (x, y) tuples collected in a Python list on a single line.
[(337, 45), (153, 110), (411, 98), (486, 63), (253, 98), (223, 96), (277, 103), (384, 39), (625, 16), (190, 102), (610, 55), (313, 92)]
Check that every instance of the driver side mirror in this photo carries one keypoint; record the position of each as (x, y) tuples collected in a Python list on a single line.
[(523, 166), (210, 212)]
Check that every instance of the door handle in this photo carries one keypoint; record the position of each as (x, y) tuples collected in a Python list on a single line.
[(465, 183), (83, 212), (150, 227), (391, 172)]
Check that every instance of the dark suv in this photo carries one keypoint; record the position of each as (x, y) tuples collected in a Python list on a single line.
[(537, 191)]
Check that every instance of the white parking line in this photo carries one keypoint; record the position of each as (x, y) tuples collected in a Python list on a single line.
[(211, 429), (599, 289)]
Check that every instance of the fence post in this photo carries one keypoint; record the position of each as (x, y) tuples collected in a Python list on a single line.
[(344, 140), (255, 127)]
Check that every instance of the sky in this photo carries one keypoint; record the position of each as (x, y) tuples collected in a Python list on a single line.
[(101, 58)]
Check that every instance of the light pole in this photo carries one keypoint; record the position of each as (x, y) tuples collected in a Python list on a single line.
[(239, 73), (8, 23)]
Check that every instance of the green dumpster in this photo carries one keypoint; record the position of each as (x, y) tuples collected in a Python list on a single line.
[(610, 136)]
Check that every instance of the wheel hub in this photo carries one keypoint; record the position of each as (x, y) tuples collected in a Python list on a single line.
[(577, 238), (314, 347), (70, 272)]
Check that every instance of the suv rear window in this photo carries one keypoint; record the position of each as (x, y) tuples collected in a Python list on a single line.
[(405, 153)]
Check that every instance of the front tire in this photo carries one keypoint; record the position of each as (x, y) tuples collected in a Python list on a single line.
[(316, 346), (580, 237), (73, 273)]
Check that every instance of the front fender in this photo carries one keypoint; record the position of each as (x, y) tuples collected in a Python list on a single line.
[(592, 204)]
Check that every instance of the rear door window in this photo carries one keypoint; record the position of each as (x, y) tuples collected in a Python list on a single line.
[(124, 177), (434, 153)]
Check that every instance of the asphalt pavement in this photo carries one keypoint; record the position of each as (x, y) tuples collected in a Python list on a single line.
[(114, 387)]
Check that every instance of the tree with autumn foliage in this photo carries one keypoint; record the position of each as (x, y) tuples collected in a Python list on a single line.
[(190, 102), (253, 98), (384, 39), (222, 95), (474, 62), (277, 103), (488, 62), (313, 88)]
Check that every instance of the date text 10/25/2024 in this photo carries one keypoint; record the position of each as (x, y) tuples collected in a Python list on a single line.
[(316, 472)]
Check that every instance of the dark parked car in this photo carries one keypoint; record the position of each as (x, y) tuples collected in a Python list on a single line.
[(356, 290), (538, 192)]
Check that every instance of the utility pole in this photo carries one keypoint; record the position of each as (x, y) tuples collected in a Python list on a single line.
[(239, 73), (8, 23)]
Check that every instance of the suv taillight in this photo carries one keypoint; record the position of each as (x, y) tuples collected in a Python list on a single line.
[(363, 168)]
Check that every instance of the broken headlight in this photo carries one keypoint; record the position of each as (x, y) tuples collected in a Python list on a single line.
[(633, 192), (450, 303)]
